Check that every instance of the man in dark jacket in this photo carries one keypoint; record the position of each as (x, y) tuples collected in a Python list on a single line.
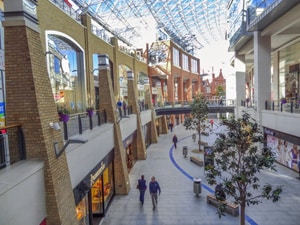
[(175, 141), (142, 188), (154, 189)]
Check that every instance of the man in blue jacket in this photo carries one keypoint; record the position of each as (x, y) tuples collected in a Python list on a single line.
[(154, 189)]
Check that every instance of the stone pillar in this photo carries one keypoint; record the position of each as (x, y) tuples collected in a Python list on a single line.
[(275, 90), (262, 71), (133, 101), (30, 102), (180, 90), (189, 90), (107, 102), (148, 101), (171, 88), (240, 89), (164, 124)]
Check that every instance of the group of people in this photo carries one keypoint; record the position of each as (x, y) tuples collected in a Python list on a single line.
[(122, 106), (154, 190)]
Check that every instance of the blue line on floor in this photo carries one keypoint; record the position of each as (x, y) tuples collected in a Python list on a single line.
[(248, 219)]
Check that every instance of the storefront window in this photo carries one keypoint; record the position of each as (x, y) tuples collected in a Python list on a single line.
[(102, 192), (66, 72), (129, 156), (82, 211), (123, 82), (289, 66), (97, 197)]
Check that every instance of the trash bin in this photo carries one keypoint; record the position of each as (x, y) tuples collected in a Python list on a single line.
[(185, 151), (197, 186)]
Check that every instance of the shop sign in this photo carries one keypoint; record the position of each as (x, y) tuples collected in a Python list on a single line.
[(95, 176), (86, 184), (154, 91)]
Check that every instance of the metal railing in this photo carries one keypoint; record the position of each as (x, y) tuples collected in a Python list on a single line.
[(211, 102), (67, 9), (12, 145), (80, 122), (290, 106)]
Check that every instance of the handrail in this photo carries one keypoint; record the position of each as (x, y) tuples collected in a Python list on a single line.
[(12, 145), (211, 102), (80, 122), (290, 106)]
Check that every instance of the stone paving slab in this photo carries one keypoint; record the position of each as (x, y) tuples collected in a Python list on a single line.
[(177, 203)]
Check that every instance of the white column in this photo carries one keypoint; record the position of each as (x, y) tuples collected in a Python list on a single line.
[(262, 71), (275, 76)]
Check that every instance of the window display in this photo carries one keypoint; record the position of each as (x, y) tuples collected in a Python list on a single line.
[(97, 197), (102, 191), (108, 188), (82, 211)]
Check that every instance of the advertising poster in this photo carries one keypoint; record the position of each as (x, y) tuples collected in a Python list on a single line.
[(286, 153), (2, 114)]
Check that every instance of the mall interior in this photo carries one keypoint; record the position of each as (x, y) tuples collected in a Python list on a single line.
[(78, 100)]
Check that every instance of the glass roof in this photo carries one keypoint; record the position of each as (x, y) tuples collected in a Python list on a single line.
[(196, 22)]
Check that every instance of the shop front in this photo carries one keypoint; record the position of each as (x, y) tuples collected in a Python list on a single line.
[(285, 147), (95, 192), (147, 134), (131, 150)]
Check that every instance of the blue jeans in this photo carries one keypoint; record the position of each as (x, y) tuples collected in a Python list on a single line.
[(142, 194)]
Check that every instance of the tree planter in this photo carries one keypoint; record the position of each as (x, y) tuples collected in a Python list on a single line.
[(64, 117)]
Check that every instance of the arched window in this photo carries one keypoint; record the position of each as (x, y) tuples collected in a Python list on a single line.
[(65, 60)]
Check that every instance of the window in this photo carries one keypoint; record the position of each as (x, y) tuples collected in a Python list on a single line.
[(66, 72), (185, 62), (176, 57), (194, 66)]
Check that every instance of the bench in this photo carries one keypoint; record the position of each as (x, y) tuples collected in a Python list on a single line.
[(230, 207), (196, 160)]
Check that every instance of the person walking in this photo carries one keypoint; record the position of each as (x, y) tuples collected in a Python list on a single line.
[(171, 126), (142, 188), (211, 123), (154, 189), (175, 141)]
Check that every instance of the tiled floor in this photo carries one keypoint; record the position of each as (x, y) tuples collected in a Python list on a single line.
[(177, 203)]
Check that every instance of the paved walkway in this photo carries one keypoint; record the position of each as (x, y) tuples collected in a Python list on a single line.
[(177, 203)]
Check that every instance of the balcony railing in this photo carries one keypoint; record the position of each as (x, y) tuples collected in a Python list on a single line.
[(67, 9), (290, 106), (81, 122), (12, 146), (211, 102), (12, 142)]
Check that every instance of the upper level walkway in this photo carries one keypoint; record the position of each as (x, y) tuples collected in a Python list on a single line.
[(214, 106)]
